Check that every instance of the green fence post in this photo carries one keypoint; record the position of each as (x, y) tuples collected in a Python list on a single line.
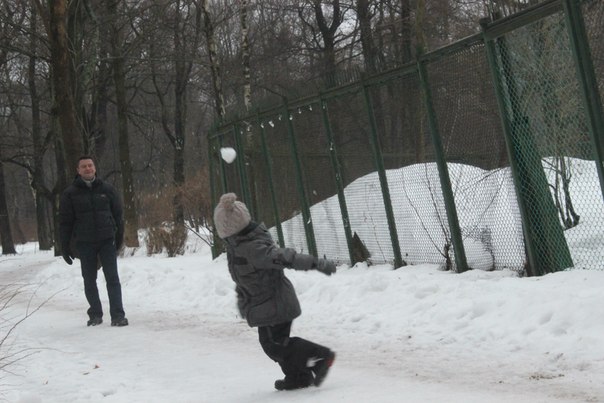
[(335, 163), (223, 177), (587, 80), (379, 162), (308, 225), (271, 184), (443, 173), (213, 198), (545, 243), (214, 152)]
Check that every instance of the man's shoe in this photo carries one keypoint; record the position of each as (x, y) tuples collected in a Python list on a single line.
[(119, 322), (293, 383), (94, 321), (321, 367)]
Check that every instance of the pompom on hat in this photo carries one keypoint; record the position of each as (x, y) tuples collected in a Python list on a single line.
[(230, 216)]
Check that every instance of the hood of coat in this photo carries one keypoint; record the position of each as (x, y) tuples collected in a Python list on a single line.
[(251, 231)]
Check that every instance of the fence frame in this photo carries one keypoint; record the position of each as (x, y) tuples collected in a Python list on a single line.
[(540, 250)]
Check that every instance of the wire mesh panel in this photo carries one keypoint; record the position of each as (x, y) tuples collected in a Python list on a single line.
[(415, 189), (593, 14), (474, 146), (556, 168), (319, 181), (216, 177), (260, 175), (517, 151), (232, 171), (349, 120), (285, 183)]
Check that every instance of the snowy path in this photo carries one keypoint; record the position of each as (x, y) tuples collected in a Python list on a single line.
[(183, 355)]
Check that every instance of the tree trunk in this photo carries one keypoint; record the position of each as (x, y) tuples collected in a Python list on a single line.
[(180, 117), (406, 31), (130, 213), (61, 79), (98, 118), (328, 32), (367, 44), (63, 173), (68, 145), (8, 246), (245, 57), (42, 220), (213, 57)]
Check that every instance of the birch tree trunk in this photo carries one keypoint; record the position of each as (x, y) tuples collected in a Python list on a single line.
[(245, 56), (213, 57)]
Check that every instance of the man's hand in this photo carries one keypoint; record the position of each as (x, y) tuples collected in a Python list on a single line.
[(67, 254), (68, 259), (326, 266)]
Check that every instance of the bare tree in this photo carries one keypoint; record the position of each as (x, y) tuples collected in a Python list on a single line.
[(117, 52), (40, 142), (6, 236), (327, 22), (371, 55), (54, 15), (215, 68), (245, 56), (184, 24)]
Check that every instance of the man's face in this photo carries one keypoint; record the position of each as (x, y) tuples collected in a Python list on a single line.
[(86, 169)]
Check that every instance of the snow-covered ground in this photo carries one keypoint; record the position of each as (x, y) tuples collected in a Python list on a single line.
[(414, 334)]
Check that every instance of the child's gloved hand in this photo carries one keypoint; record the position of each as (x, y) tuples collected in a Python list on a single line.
[(326, 266)]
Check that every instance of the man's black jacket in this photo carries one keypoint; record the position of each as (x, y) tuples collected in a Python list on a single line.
[(90, 214)]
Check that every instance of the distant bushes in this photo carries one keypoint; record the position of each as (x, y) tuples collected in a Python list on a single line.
[(157, 212)]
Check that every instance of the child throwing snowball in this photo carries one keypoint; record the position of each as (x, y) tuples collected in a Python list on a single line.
[(266, 298)]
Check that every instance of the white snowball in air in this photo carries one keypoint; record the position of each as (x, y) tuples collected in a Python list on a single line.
[(228, 154)]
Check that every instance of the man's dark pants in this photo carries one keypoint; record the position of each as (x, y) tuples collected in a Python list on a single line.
[(90, 253)]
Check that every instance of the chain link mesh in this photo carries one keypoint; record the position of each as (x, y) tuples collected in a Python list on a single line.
[(474, 146), (552, 144), (524, 184), (352, 138), (593, 14)]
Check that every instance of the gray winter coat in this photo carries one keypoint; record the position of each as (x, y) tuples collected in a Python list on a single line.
[(265, 296)]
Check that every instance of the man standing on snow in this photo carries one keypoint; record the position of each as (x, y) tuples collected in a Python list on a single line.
[(266, 298), (91, 212)]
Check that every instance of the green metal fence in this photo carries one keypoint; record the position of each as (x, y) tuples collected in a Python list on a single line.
[(486, 154)]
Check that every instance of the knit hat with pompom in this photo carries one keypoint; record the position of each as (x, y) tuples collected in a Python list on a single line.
[(230, 216)]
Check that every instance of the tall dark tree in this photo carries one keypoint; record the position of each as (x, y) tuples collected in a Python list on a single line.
[(119, 79), (184, 25), (370, 52), (210, 37), (55, 16), (8, 246), (40, 142), (245, 55), (328, 22)]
